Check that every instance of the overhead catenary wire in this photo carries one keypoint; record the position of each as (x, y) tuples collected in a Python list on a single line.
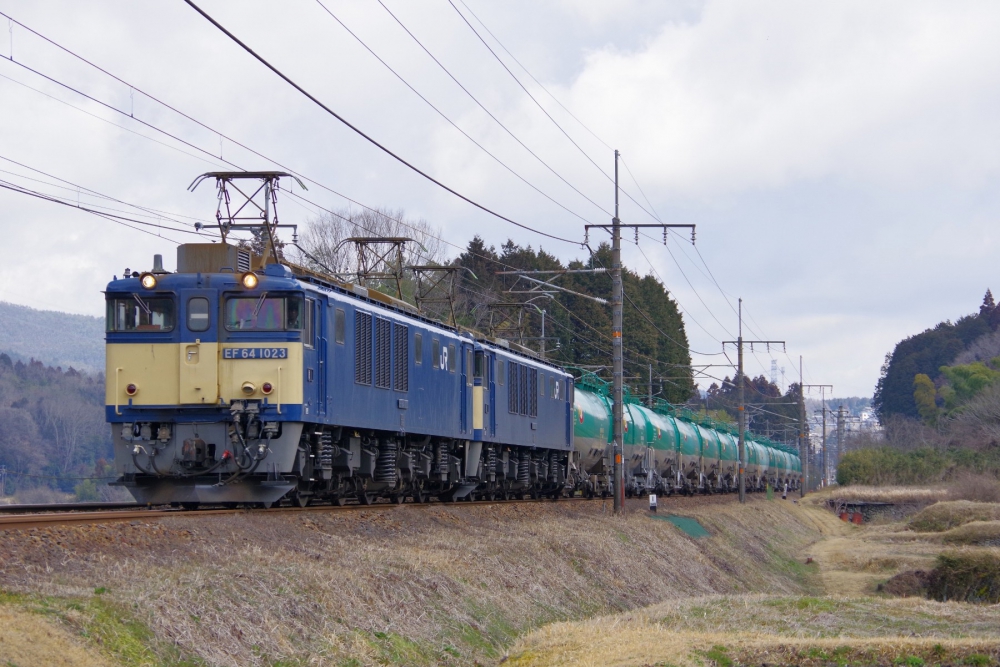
[(229, 138), (121, 220), (449, 120), (103, 120), (532, 76), (488, 112), (197, 148), (367, 137), (539, 105), (69, 185)]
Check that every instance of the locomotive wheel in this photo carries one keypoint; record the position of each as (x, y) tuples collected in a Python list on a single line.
[(299, 500), (366, 498), (338, 501), (396, 499), (418, 494)]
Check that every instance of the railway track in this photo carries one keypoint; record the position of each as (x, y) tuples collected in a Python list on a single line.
[(22, 517)]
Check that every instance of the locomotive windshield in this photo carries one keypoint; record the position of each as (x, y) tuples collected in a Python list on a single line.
[(136, 313), (264, 313)]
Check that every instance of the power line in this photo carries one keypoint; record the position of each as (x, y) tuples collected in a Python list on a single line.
[(526, 71), (488, 112), (173, 137), (78, 188), (443, 115), (676, 300), (113, 218), (547, 114), (95, 116), (365, 136), (230, 139)]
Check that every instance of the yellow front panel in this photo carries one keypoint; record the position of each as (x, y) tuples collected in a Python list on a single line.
[(477, 408), (199, 373), (285, 375), (151, 367)]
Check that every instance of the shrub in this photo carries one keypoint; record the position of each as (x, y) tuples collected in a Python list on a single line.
[(887, 466), (966, 576)]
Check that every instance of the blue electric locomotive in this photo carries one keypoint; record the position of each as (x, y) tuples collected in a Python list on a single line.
[(226, 385)]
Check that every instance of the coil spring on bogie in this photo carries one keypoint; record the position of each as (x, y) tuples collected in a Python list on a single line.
[(326, 451), (385, 465), (440, 459), (491, 461), (524, 469)]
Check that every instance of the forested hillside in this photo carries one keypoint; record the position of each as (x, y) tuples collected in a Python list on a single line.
[(940, 368), (938, 399), (52, 431), (57, 339), (580, 329)]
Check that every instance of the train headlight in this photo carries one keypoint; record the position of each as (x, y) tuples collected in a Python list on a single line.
[(249, 388), (131, 390), (249, 280), (266, 388), (147, 280)]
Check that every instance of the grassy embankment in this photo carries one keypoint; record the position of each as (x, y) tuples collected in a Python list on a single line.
[(850, 623), (546, 584), (448, 585)]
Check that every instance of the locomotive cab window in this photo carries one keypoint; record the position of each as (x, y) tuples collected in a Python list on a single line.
[(480, 364), (418, 348), (136, 313), (197, 314), (264, 313), (501, 365)]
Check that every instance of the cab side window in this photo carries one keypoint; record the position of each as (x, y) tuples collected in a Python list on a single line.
[(307, 331), (339, 325)]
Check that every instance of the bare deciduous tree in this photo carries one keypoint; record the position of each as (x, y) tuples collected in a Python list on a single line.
[(324, 238)]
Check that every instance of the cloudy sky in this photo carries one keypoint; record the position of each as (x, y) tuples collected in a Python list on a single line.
[(839, 159)]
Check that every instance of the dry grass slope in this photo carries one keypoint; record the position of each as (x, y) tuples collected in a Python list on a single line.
[(27, 640), (447, 585), (773, 630), (848, 625), (946, 515)]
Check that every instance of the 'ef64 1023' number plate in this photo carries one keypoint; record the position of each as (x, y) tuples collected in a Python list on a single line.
[(255, 353)]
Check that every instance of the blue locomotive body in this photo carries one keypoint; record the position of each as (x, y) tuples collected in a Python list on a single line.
[(256, 387)]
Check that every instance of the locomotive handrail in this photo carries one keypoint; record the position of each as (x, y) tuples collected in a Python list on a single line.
[(117, 371), (279, 390)]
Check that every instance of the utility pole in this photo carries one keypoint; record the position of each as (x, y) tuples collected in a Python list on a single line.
[(543, 335), (826, 473), (651, 386), (822, 388), (617, 301), (803, 458), (618, 370), (840, 435), (742, 394)]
